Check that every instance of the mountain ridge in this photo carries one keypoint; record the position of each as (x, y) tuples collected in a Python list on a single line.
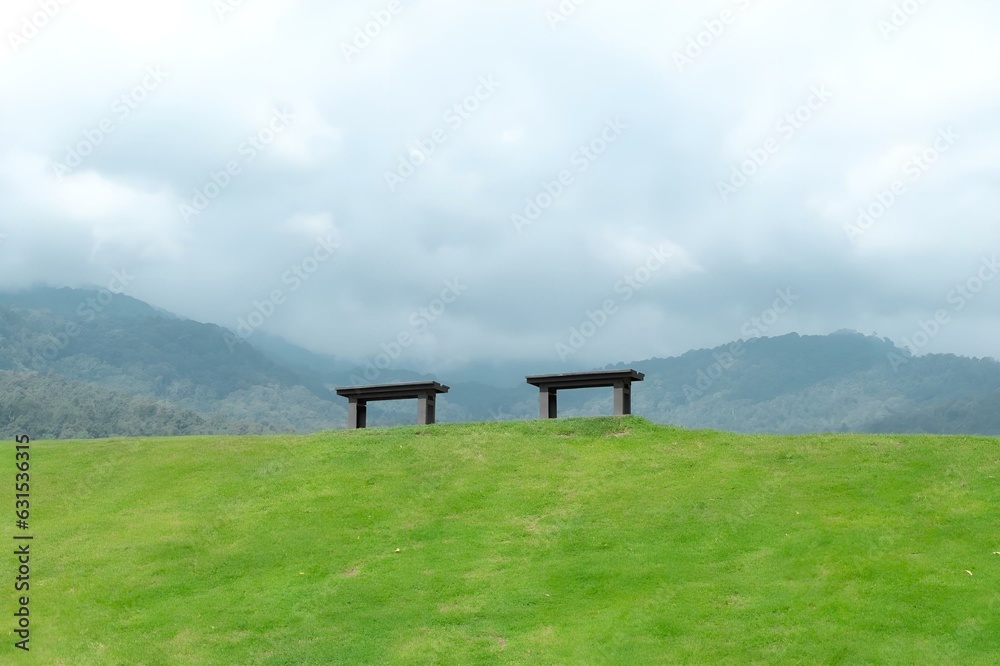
[(845, 381)]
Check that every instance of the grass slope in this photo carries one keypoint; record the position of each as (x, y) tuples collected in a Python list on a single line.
[(590, 541)]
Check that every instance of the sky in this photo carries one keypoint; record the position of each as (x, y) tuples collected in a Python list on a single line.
[(437, 183)]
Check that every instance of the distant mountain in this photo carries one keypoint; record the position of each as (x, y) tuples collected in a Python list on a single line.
[(80, 304), (845, 382), (127, 346), (842, 382), (50, 407), (321, 367), (84, 363)]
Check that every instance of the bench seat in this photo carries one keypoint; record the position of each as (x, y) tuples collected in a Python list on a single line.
[(358, 398), (620, 380)]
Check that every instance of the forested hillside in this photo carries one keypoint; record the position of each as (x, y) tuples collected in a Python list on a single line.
[(134, 350), (841, 382), (50, 407), (145, 371)]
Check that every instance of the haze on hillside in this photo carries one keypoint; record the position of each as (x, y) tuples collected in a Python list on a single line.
[(133, 370), (528, 182)]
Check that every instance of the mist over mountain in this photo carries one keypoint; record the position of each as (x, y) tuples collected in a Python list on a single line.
[(88, 363)]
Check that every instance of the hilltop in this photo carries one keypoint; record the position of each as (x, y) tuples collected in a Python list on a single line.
[(608, 540)]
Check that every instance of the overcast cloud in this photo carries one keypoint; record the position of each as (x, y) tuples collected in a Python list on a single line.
[(224, 152)]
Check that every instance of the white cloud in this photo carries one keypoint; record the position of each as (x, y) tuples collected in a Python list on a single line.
[(310, 139), (310, 225), (112, 213), (452, 217)]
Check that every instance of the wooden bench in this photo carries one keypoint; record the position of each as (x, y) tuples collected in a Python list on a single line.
[(621, 380), (359, 396)]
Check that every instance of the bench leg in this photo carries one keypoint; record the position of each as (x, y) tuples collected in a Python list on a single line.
[(425, 409), (357, 413), (623, 398), (547, 403)]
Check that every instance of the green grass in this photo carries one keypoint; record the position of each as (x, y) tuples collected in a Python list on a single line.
[(582, 541)]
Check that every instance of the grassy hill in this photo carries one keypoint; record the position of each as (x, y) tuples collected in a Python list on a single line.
[(581, 541)]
